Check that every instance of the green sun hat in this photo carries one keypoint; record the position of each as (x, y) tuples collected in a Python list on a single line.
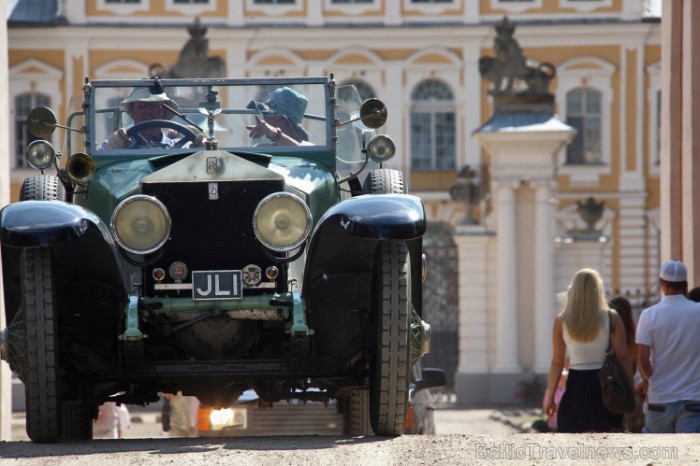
[(288, 102)]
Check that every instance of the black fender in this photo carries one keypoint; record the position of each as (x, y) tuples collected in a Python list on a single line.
[(89, 270), (46, 223), (340, 262), (376, 216)]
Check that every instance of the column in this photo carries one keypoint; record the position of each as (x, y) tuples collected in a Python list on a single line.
[(474, 300), (5, 374), (543, 275), (506, 299)]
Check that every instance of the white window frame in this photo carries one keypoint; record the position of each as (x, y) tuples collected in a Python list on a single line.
[(653, 132), (585, 5), (418, 70), (594, 73), (274, 9), (351, 8), (123, 8), (516, 7), (430, 8), (32, 76), (433, 108), (191, 9)]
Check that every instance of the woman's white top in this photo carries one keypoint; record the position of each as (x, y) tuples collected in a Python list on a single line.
[(591, 354)]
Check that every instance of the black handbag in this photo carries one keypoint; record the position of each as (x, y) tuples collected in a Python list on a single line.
[(615, 386)]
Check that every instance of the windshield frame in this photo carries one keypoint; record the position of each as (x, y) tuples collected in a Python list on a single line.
[(324, 151)]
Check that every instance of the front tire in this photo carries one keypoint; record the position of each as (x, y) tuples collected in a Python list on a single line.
[(41, 356), (356, 414), (390, 374)]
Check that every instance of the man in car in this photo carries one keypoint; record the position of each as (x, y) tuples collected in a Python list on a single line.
[(142, 105)]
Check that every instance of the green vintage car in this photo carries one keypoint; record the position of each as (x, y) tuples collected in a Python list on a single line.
[(243, 236)]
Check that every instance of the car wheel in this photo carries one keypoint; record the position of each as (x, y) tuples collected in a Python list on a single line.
[(77, 420), (42, 188), (390, 374), (356, 414), (384, 181), (41, 355)]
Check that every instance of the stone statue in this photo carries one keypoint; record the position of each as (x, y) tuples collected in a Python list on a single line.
[(193, 61), (470, 189), (510, 64), (590, 212)]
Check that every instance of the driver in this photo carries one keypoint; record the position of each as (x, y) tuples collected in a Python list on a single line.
[(146, 104)]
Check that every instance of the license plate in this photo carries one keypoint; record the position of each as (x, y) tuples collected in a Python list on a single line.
[(210, 285)]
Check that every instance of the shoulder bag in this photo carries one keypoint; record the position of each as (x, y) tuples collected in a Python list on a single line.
[(616, 387)]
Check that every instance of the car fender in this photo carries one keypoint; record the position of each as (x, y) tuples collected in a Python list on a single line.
[(46, 223), (340, 262), (80, 241), (376, 216)]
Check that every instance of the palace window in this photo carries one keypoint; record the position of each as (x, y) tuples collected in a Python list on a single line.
[(23, 104), (433, 128), (583, 112)]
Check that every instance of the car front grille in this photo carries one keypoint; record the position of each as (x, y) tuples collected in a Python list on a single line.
[(211, 234)]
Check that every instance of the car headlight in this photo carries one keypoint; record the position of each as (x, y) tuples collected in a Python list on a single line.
[(40, 154), (381, 148), (141, 224), (282, 222)]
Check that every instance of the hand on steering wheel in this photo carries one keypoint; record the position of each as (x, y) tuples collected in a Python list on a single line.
[(188, 134)]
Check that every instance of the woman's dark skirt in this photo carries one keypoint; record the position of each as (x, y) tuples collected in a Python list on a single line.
[(581, 408)]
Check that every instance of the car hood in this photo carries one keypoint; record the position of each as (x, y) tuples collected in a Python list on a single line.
[(211, 166)]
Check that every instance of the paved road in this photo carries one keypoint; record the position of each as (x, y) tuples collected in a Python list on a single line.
[(146, 423), (469, 421)]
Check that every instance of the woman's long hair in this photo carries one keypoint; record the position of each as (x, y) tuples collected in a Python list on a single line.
[(584, 305), (624, 308)]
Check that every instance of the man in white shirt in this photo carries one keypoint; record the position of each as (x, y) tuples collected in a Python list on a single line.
[(669, 356)]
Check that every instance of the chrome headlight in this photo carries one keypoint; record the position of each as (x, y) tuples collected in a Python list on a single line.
[(282, 222), (40, 154), (141, 224), (380, 148)]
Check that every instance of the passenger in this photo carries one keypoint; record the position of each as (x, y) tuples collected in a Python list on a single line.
[(145, 104), (280, 119)]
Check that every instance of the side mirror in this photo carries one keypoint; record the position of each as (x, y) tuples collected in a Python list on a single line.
[(41, 122), (373, 113)]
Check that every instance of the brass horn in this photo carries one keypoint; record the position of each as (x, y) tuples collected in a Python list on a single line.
[(80, 167)]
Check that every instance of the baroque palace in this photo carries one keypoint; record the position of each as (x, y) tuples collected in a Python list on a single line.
[(600, 190)]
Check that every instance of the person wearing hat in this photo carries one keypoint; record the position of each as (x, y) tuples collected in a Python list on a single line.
[(280, 118), (144, 104), (669, 356)]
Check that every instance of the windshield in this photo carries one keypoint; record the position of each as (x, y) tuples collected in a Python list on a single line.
[(352, 134), (166, 116)]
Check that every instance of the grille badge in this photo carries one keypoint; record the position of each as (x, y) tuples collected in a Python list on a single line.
[(213, 191), (212, 165)]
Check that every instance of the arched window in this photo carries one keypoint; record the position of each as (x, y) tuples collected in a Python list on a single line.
[(23, 104), (583, 112), (433, 139)]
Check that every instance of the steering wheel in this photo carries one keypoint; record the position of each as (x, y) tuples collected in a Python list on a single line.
[(188, 134)]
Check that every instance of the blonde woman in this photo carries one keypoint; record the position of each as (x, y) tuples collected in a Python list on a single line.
[(581, 332)]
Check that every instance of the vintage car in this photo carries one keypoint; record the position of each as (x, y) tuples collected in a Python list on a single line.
[(211, 262)]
